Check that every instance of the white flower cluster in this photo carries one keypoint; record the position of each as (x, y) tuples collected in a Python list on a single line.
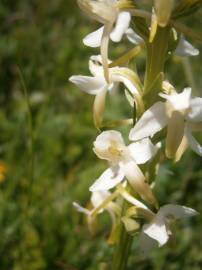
[(179, 114)]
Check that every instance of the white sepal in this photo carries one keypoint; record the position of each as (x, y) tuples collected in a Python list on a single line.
[(152, 121), (142, 151), (109, 179)]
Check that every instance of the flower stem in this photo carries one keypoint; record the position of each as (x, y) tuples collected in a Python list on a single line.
[(156, 55), (122, 250)]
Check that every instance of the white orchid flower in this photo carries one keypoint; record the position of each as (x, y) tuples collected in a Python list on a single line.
[(123, 160), (116, 22), (157, 232), (181, 113), (98, 86)]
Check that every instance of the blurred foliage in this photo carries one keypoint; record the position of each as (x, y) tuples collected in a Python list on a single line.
[(50, 163)]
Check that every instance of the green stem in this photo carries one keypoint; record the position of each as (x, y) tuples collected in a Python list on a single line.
[(123, 247), (156, 56)]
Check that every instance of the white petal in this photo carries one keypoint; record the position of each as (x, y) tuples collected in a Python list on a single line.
[(177, 211), (121, 26), (133, 37), (94, 39), (147, 244), (142, 151), (109, 179), (81, 209), (98, 197), (195, 146), (90, 85), (152, 121), (184, 48), (195, 115), (180, 101), (157, 230), (106, 141), (137, 180)]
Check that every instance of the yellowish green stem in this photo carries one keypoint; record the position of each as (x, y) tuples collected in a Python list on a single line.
[(156, 56), (123, 247)]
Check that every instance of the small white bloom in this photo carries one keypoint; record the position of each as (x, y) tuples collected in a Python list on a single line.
[(181, 113), (98, 86), (108, 13), (157, 231), (109, 145)]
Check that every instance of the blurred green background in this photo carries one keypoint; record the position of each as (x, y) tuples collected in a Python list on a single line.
[(48, 158)]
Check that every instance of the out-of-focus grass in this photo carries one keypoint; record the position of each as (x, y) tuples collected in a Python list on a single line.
[(39, 229)]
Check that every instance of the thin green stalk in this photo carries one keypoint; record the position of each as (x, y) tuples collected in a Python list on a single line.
[(156, 56), (123, 247)]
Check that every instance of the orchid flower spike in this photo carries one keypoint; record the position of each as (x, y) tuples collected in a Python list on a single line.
[(157, 231), (123, 160), (181, 113), (98, 86), (109, 13)]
